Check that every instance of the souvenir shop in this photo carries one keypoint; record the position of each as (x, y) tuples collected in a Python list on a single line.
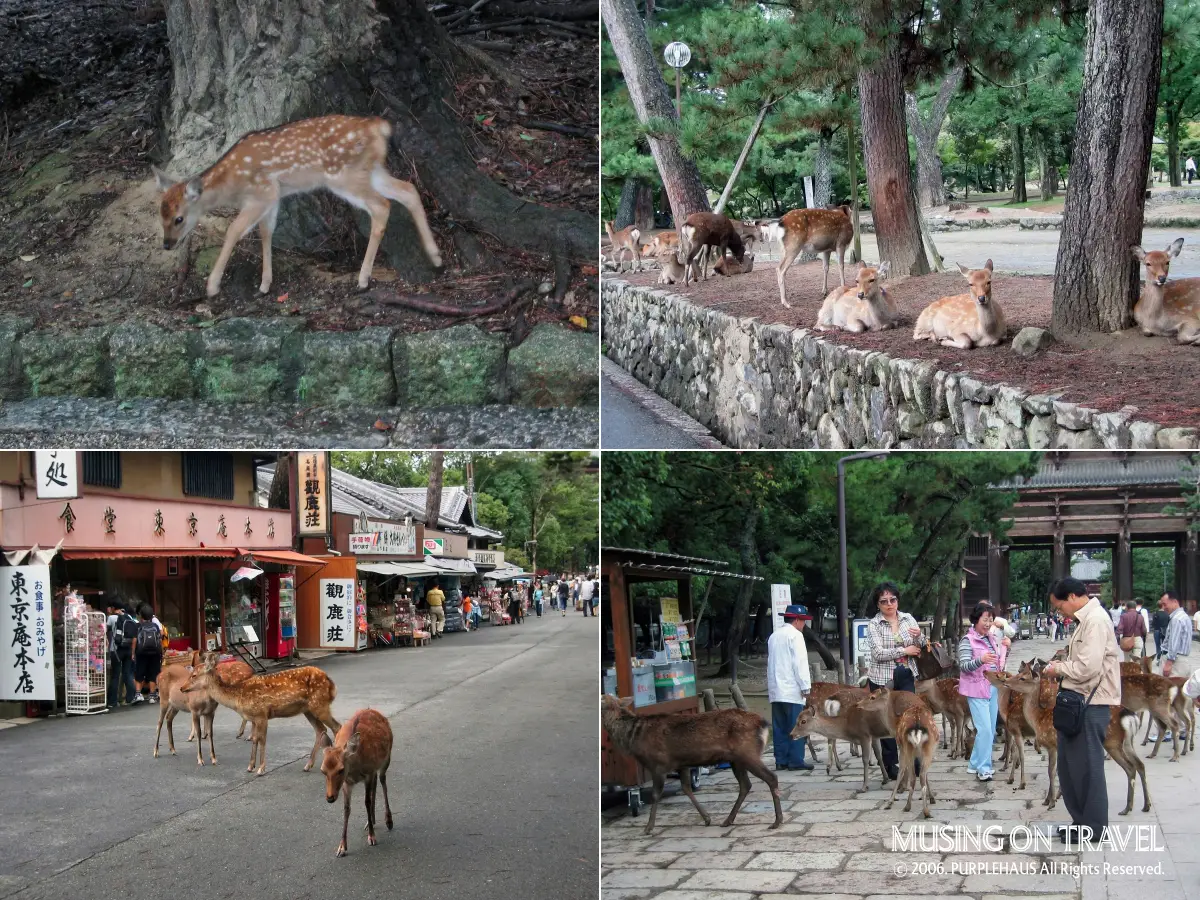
[(391, 594)]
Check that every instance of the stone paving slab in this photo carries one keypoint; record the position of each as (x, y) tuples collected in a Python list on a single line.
[(735, 879), (731, 859), (796, 861)]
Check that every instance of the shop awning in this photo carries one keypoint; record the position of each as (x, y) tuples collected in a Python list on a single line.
[(282, 557), (395, 569), (454, 566), (507, 573), (149, 553)]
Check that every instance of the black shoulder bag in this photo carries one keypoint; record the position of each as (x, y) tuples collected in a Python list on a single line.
[(1069, 707)]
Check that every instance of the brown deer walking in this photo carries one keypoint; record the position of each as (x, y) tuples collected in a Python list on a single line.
[(1167, 310), (345, 154), (1158, 696), (625, 240), (173, 700), (304, 691), (683, 741), (821, 231), (967, 320), (362, 751)]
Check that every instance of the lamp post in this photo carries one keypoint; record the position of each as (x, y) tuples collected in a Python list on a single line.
[(844, 600), (1164, 564), (677, 54)]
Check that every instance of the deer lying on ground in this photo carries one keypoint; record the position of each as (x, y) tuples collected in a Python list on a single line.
[(361, 751), (967, 320), (623, 241), (671, 269), (683, 741), (276, 695), (820, 231), (1038, 709), (728, 266), (1167, 310), (1157, 696), (840, 717), (748, 232), (864, 306), (663, 240), (703, 230), (910, 720), (943, 697), (345, 154)]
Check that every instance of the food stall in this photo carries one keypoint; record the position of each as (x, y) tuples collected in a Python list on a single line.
[(648, 651)]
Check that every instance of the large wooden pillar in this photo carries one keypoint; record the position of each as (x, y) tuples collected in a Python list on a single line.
[(995, 572), (1060, 564), (1123, 567), (1187, 570)]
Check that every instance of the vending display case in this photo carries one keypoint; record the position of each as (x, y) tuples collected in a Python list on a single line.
[(281, 615), (85, 655)]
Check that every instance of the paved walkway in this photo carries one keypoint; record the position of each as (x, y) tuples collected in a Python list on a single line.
[(839, 844), (633, 417)]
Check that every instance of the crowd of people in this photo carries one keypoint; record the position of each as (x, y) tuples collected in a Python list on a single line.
[(519, 599)]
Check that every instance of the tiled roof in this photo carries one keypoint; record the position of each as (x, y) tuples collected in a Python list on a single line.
[(1099, 471)]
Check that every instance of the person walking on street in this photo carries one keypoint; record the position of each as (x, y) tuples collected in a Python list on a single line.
[(978, 652), (1131, 633), (595, 600), (1161, 619), (122, 629), (895, 639), (437, 608), (1178, 643), (537, 599), (564, 591), (1145, 614), (1090, 685), (147, 655), (789, 680), (1053, 629), (1190, 166)]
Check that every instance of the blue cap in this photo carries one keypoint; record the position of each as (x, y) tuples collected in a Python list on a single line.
[(796, 612)]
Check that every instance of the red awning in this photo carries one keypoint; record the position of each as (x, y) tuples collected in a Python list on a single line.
[(148, 553), (282, 557)]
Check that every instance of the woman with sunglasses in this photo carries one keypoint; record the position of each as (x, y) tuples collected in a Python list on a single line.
[(895, 641)]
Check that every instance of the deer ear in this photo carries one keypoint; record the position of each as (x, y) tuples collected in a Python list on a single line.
[(1175, 247), (1138, 253), (884, 269), (988, 265), (194, 189), (963, 269), (163, 180)]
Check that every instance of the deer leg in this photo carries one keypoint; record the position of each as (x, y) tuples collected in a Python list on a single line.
[(241, 729), (387, 808), (266, 228), (693, 251), (790, 250), (171, 713), (685, 781), (245, 220), (406, 195), (341, 850), (212, 747), (191, 734), (1176, 725), (657, 790), (162, 714), (825, 274), (1052, 766), (1161, 728), (379, 208), (842, 263), (260, 737), (772, 782), (198, 727), (371, 841)]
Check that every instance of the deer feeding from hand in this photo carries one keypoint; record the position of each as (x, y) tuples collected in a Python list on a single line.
[(346, 155)]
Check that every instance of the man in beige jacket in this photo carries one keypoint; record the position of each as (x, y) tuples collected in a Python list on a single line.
[(1093, 664)]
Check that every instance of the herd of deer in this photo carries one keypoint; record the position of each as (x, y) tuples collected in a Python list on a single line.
[(965, 321), (683, 741), (360, 751)]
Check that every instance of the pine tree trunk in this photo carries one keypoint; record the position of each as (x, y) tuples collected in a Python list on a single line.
[(1173, 147), (242, 65), (1018, 155), (433, 495), (643, 215), (885, 148), (627, 205), (1096, 279), (652, 100), (748, 548), (931, 188), (823, 182), (741, 160)]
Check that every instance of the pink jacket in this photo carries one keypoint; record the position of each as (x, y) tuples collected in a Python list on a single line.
[(974, 683)]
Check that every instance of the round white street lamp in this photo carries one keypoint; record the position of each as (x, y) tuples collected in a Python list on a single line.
[(677, 54)]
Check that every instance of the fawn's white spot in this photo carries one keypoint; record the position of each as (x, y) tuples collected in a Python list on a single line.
[(246, 159)]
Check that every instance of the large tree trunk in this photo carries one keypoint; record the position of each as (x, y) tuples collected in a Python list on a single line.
[(1173, 146), (1018, 155), (636, 206), (652, 101), (748, 548), (852, 151), (433, 494), (242, 65), (885, 146), (1096, 277), (741, 160), (823, 182), (931, 189)]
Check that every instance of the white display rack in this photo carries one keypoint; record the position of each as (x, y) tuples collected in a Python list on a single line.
[(85, 656)]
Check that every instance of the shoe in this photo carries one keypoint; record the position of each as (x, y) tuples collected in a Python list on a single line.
[(137, 698), (984, 776), (803, 766), (971, 770), (153, 698), (893, 773)]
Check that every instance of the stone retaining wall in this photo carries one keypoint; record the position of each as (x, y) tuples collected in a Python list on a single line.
[(278, 360), (757, 385)]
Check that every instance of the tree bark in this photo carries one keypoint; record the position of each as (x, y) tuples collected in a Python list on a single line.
[(1096, 280), (1173, 147), (433, 495), (885, 145), (748, 549), (243, 65), (279, 495), (636, 206), (652, 102), (649, 14), (931, 188), (741, 160), (823, 182), (1018, 155), (852, 150)]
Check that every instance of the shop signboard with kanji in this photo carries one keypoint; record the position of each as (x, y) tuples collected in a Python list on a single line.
[(338, 630), (57, 475), (313, 493), (26, 634), (385, 538)]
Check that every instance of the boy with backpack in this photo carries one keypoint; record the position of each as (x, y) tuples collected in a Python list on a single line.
[(122, 630), (147, 654)]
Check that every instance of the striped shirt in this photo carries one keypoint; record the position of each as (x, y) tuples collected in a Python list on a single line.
[(966, 653), (887, 648), (1179, 635)]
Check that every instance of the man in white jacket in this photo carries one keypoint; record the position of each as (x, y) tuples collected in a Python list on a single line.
[(788, 683)]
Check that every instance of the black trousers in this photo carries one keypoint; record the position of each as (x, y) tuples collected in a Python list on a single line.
[(902, 680), (1081, 771)]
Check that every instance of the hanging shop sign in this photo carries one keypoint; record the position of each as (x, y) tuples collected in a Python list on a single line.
[(57, 476), (337, 614), (26, 644), (493, 558), (313, 468), (382, 537), (781, 599), (434, 546)]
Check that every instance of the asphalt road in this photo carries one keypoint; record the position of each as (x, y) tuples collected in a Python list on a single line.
[(633, 417), (492, 787)]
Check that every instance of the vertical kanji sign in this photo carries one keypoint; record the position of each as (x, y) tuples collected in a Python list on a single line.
[(56, 474), (338, 630), (313, 492), (26, 634)]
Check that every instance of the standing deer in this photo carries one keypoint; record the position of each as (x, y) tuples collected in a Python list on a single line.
[(625, 240), (943, 697), (344, 154), (362, 751), (841, 717), (276, 695), (703, 230), (820, 231), (233, 669), (1038, 696), (967, 320), (1158, 696), (173, 700), (864, 306), (1165, 309), (684, 740)]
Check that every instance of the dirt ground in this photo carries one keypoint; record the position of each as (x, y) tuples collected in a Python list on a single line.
[(1102, 371), (82, 85)]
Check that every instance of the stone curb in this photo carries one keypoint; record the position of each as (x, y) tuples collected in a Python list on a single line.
[(769, 385), (1033, 223), (279, 360)]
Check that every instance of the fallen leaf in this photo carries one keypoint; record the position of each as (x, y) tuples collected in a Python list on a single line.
[(381, 425), (579, 321), (489, 121), (29, 257), (282, 298), (525, 137), (68, 294), (588, 270), (29, 283)]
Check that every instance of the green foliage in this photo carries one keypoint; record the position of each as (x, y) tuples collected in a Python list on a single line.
[(1030, 577)]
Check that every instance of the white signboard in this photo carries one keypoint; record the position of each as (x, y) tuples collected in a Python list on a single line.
[(337, 614), (809, 198), (56, 474), (381, 537), (860, 645), (781, 599), (26, 632), (491, 558), (434, 546)]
